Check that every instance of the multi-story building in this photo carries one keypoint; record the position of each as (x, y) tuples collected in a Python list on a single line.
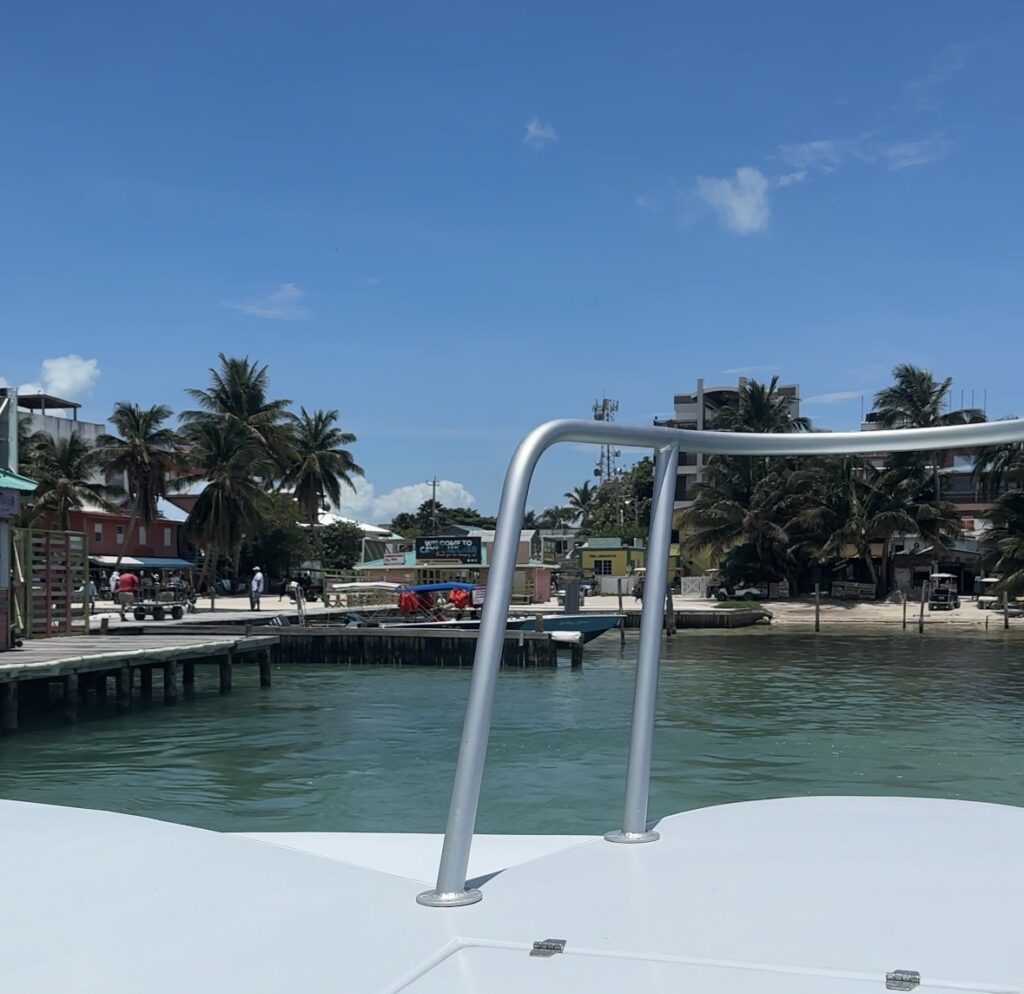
[(697, 411)]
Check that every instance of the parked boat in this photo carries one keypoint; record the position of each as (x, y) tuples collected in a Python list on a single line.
[(451, 605)]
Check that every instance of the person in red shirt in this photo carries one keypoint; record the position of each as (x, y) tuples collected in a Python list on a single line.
[(127, 586)]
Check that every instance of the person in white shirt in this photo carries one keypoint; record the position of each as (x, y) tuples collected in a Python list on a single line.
[(115, 576), (255, 589)]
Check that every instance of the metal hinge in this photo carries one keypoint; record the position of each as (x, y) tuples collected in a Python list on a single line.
[(548, 947), (902, 980)]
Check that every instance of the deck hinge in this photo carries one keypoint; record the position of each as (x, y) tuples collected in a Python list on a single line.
[(548, 947), (902, 980)]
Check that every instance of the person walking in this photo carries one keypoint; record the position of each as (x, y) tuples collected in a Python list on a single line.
[(255, 588), (127, 586), (115, 576)]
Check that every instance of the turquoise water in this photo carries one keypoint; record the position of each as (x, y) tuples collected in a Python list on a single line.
[(741, 715)]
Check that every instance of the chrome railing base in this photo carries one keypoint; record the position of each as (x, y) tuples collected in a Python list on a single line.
[(459, 899), (630, 838)]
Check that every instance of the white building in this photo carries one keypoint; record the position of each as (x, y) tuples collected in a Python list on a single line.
[(697, 411)]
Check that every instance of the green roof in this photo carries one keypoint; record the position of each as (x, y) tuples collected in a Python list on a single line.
[(12, 481), (603, 543)]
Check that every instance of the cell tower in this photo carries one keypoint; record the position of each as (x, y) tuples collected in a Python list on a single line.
[(605, 410)]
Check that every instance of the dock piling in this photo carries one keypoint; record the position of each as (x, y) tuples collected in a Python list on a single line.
[(817, 607), (265, 669), (9, 707), (123, 680), (171, 681), (225, 673), (70, 698), (146, 682)]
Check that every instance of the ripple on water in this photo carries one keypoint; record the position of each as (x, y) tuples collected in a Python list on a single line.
[(740, 716)]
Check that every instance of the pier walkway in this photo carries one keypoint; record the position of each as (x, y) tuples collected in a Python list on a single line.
[(85, 663)]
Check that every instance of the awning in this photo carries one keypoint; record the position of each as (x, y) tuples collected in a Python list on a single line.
[(143, 562), (12, 481)]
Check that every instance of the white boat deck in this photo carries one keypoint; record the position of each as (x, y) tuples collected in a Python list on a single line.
[(799, 895)]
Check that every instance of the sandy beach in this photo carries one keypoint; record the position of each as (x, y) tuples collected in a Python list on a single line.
[(799, 612)]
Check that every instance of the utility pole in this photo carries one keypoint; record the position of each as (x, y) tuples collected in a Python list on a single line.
[(433, 502)]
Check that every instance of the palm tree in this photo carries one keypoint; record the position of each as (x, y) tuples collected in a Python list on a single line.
[(65, 470), (735, 507), (581, 502), (1003, 544), (848, 503), (322, 464), (145, 453), (555, 517), (758, 407), (238, 394), (227, 458), (916, 400), (993, 464)]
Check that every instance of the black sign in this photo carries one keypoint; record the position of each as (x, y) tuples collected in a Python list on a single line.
[(462, 548)]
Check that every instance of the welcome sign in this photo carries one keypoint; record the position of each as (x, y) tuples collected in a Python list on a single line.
[(449, 548)]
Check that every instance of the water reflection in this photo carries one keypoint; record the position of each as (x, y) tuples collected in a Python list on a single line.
[(740, 716)]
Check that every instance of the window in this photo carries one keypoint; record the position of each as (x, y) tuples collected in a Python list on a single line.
[(142, 534), (97, 531), (602, 567), (167, 538), (120, 534)]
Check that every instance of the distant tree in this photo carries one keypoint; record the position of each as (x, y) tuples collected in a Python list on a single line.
[(230, 462), (759, 407), (65, 470), (581, 501), (321, 463), (1002, 545), (340, 545), (915, 399), (238, 396), (144, 452), (278, 543)]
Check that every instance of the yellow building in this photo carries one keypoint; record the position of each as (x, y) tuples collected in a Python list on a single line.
[(610, 558)]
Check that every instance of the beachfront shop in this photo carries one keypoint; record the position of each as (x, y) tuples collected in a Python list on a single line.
[(455, 559)]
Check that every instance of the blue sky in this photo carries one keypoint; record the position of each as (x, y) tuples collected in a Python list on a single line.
[(453, 221)]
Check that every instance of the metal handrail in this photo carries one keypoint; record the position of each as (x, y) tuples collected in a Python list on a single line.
[(451, 889)]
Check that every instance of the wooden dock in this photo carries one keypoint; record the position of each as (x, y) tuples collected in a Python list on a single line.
[(84, 664), (340, 646)]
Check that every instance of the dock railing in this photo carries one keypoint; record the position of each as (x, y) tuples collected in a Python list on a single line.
[(451, 889)]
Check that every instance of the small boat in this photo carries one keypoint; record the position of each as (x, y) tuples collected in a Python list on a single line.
[(458, 607)]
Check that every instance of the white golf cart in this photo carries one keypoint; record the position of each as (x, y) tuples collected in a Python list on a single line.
[(943, 595)]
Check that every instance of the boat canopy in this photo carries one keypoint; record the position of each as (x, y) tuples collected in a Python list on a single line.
[(432, 588), (342, 588)]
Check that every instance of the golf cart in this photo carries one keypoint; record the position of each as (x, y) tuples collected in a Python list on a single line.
[(944, 595), (160, 602), (986, 599)]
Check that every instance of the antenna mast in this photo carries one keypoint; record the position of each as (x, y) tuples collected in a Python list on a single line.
[(605, 410)]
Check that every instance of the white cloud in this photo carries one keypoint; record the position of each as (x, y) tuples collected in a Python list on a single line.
[(919, 94), (68, 376), (825, 155), (281, 304), (538, 135), (790, 178), (828, 155), (833, 398), (903, 155), (741, 202), (365, 504), (370, 280), (644, 202)]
